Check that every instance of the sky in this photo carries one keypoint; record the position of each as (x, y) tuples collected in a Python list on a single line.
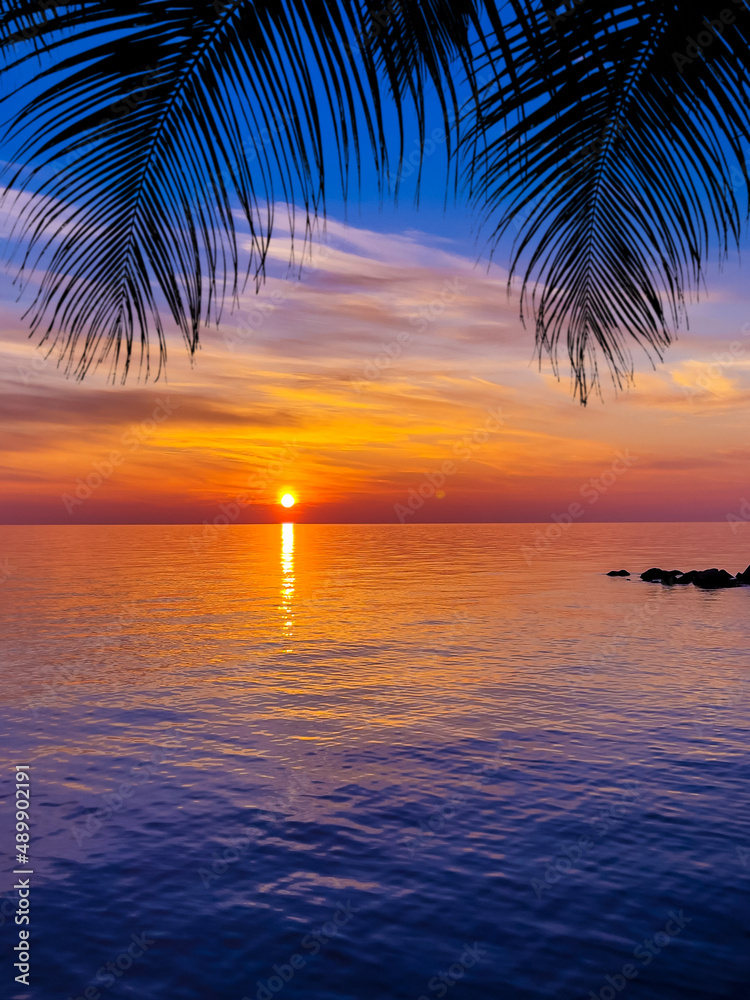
[(394, 382)]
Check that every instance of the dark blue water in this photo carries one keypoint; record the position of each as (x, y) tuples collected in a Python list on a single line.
[(377, 763)]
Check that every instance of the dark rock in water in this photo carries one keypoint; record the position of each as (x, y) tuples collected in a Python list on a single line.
[(707, 579), (618, 572), (715, 579), (652, 575)]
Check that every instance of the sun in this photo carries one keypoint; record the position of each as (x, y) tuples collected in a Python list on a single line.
[(288, 500)]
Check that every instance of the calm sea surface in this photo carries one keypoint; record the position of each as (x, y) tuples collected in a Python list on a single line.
[(377, 763)]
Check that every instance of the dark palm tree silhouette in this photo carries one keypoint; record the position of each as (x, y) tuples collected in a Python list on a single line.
[(610, 136), (622, 162)]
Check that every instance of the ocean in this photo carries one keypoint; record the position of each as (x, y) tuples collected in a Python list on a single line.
[(375, 762)]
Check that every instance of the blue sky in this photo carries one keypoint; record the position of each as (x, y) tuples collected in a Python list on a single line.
[(300, 380)]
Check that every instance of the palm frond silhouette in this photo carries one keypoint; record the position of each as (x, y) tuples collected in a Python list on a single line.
[(616, 151), (152, 120), (610, 136)]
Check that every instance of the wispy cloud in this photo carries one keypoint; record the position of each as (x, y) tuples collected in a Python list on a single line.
[(375, 362)]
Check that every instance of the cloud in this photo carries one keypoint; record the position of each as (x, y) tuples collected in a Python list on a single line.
[(316, 366)]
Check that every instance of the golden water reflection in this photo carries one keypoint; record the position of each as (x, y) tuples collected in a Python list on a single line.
[(287, 581)]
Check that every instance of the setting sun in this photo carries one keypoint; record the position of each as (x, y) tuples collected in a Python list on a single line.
[(287, 500)]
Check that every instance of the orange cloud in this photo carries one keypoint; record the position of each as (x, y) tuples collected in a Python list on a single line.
[(351, 385)]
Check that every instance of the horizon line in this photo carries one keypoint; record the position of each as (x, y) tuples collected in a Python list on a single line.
[(259, 524)]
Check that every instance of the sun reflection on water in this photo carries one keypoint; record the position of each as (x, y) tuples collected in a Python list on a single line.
[(287, 582)]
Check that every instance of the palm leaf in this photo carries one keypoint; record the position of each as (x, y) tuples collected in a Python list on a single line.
[(617, 164), (148, 122)]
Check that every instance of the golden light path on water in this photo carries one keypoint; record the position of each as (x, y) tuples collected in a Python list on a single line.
[(287, 583)]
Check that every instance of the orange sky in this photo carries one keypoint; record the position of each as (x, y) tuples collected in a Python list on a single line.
[(355, 386)]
